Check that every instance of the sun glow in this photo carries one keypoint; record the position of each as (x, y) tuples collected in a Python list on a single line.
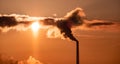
[(35, 26)]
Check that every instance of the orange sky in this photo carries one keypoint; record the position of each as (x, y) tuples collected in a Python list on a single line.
[(106, 9), (96, 47)]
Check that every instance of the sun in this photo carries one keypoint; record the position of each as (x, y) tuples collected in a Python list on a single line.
[(35, 26)]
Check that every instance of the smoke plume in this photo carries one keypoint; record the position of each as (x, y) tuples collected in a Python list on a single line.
[(56, 27)]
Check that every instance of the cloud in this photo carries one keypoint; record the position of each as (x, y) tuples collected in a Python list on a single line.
[(105, 25), (7, 60), (11, 60), (30, 60)]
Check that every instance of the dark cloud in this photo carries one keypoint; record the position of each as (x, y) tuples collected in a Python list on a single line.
[(100, 24), (7, 21)]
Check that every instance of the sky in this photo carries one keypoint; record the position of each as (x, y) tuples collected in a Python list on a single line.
[(100, 9), (98, 45)]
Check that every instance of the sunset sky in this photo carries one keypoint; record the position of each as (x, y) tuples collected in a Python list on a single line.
[(106, 9), (98, 45)]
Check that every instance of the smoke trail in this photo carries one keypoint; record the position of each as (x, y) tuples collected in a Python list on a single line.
[(60, 26), (56, 27)]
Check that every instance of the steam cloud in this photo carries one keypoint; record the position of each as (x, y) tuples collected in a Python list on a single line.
[(57, 27)]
